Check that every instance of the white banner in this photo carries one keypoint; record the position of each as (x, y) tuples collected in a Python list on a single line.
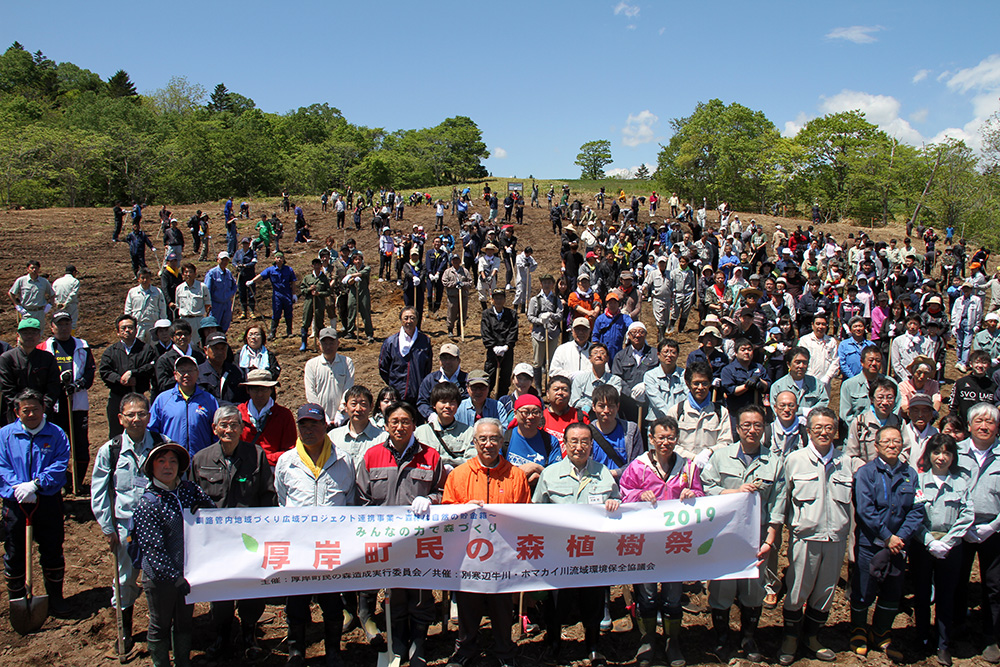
[(272, 552)]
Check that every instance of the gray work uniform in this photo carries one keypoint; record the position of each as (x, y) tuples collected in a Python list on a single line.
[(700, 429), (728, 468), (815, 502)]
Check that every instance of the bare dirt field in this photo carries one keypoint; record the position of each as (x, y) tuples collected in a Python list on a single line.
[(83, 237)]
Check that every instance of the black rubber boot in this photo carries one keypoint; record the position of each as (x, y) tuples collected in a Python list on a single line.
[(127, 615), (418, 653), (53, 576), (672, 630), (182, 649), (252, 650), (15, 588), (882, 632), (647, 640), (296, 645), (814, 620), (790, 641), (223, 643), (159, 652), (749, 620), (720, 623), (859, 630), (332, 630)]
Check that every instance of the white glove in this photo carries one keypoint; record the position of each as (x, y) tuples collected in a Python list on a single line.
[(435, 277), (347, 279), (25, 492), (639, 392), (701, 459), (421, 505), (248, 283), (22, 310), (938, 549), (979, 534), (48, 307), (717, 382), (153, 249), (416, 281), (295, 298), (499, 350)]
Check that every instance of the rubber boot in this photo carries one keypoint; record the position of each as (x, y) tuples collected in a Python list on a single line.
[(749, 620), (252, 649), (182, 649), (223, 643), (720, 623), (882, 632), (15, 588), (647, 640), (127, 615), (274, 332), (418, 652), (332, 630), (296, 645), (305, 342), (591, 641), (814, 620), (672, 630), (859, 630), (53, 576), (366, 616), (790, 641), (159, 652)]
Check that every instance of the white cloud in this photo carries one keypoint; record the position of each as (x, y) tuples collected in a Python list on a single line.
[(628, 10), (859, 34), (622, 172), (919, 116), (663, 30), (984, 76), (498, 153), (639, 128), (630, 26), (881, 110), (921, 75), (793, 127)]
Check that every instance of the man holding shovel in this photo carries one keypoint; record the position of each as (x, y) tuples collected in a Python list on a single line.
[(117, 484), (34, 454)]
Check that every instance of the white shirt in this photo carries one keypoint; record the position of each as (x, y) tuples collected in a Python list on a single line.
[(326, 381), (405, 341)]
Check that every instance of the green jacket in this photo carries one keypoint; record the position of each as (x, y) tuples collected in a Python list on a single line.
[(321, 282)]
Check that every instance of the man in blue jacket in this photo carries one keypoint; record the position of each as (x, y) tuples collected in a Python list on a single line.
[(34, 455), (406, 357), (611, 326), (283, 280), (222, 288), (887, 517), (184, 414)]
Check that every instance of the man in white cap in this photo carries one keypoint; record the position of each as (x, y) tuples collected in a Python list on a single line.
[(488, 269), (222, 289), (329, 375), (966, 313), (572, 358), (631, 364), (67, 293), (658, 286), (989, 339)]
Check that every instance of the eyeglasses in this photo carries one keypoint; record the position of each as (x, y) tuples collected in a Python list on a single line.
[(230, 426), (530, 413), (825, 428), (489, 439), (135, 415), (891, 441)]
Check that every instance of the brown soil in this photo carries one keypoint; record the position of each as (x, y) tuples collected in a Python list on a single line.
[(82, 236)]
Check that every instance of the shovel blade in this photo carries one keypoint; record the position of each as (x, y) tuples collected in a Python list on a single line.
[(28, 614)]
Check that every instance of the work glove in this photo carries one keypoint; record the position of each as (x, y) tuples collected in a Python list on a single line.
[(416, 281), (347, 279), (938, 549), (48, 307), (639, 392), (717, 382), (980, 533), (295, 298), (22, 310), (25, 492), (421, 505), (248, 283), (66, 377), (701, 458)]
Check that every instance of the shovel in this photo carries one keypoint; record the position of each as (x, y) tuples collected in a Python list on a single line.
[(388, 658), (28, 614)]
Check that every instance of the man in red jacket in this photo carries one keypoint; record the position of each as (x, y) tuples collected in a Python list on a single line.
[(266, 423)]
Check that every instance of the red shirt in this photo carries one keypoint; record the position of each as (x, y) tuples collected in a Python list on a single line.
[(556, 424)]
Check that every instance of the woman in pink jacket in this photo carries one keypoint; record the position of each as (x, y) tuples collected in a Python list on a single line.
[(660, 474)]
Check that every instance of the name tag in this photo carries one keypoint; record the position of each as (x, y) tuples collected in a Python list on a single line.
[(596, 499)]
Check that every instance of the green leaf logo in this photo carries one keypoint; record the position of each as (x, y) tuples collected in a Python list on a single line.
[(702, 550), (251, 544)]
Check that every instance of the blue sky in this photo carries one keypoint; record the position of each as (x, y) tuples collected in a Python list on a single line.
[(541, 78)]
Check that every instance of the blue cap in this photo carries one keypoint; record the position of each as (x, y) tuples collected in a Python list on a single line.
[(311, 411)]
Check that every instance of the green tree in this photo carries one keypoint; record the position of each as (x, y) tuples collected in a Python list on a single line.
[(120, 85), (220, 102), (642, 173), (593, 157), (179, 96)]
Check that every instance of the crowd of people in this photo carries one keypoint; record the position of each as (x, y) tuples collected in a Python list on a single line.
[(899, 479)]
